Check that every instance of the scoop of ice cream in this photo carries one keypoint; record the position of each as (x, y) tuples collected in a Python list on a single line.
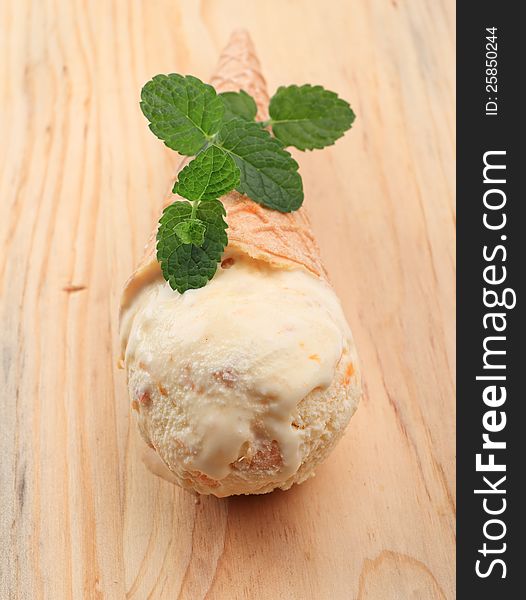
[(244, 385)]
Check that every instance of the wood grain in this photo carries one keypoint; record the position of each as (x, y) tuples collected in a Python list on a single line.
[(80, 178)]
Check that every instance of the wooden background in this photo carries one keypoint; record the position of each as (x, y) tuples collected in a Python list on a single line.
[(80, 177)]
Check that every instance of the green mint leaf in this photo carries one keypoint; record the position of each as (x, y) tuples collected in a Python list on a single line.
[(184, 112), (189, 266), (210, 175), (269, 174), (239, 104), (309, 117), (191, 231)]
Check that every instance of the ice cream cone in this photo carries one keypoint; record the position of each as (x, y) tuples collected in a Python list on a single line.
[(275, 372)]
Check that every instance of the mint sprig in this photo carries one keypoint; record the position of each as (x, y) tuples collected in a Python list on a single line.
[(187, 262), (232, 151)]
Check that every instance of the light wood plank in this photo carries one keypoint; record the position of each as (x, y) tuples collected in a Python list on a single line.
[(80, 180)]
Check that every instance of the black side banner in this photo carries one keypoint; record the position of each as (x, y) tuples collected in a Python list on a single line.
[(491, 257)]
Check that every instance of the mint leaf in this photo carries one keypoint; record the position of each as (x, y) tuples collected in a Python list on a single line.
[(186, 265), (308, 117), (191, 231), (184, 112), (269, 174), (210, 175), (239, 104)]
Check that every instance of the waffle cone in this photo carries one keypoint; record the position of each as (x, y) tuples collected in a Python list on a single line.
[(284, 240)]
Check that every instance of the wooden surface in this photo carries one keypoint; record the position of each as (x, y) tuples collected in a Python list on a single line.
[(80, 178)]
